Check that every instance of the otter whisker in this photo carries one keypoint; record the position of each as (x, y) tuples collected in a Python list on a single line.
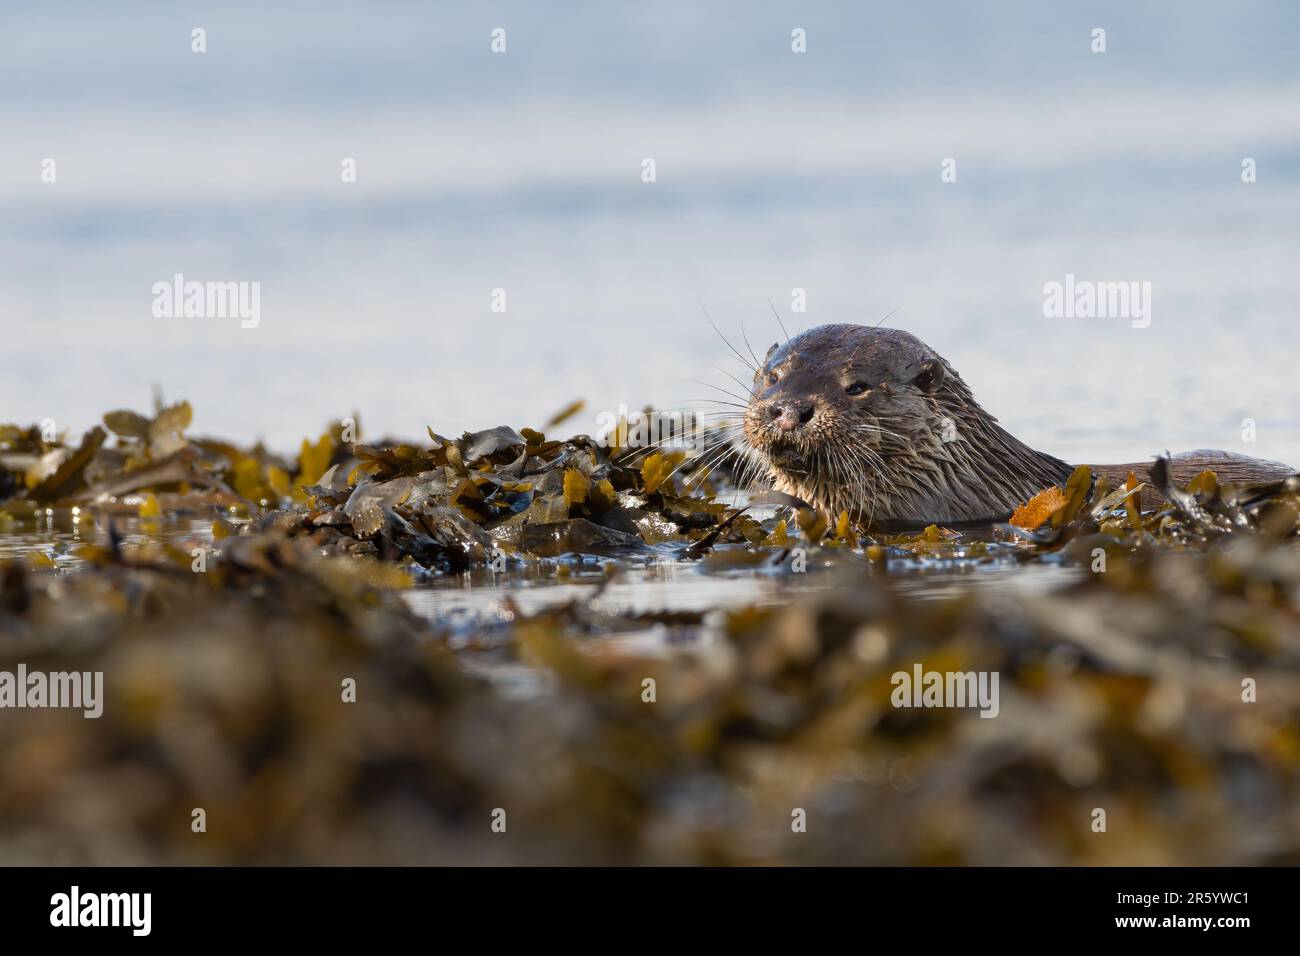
[(718, 420), (717, 404), (629, 455), (778, 320), (748, 388), (717, 388), (702, 473), (743, 360), (718, 452), (876, 429), (886, 318), (747, 345), (857, 476), (751, 466)]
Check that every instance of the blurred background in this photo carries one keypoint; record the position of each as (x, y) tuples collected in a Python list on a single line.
[(775, 171)]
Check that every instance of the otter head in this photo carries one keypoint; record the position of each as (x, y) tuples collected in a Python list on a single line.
[(875, 422), (833, 402)]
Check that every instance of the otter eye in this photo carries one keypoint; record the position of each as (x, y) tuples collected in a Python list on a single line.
[(772, 378), (857, 388)]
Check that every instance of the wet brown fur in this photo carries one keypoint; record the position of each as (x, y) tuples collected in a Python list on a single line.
[(913, 446)]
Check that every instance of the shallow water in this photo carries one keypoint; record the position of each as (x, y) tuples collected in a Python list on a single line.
[(685, 586), (58, 533), (476, 602)]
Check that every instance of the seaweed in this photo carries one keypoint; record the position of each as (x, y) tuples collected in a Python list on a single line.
[(267, 666)]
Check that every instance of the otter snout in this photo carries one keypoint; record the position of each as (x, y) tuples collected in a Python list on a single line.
[(789, 415)]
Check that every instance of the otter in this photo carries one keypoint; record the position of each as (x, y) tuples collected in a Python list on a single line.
[(874, 422)]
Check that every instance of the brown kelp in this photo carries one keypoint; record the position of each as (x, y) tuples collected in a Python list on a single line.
[(446, 505), (264, 667)]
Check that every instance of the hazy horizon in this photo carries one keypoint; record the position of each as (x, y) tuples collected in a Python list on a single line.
[(775, 171)]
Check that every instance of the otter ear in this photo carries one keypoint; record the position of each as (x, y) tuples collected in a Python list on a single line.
[(768, 357), (931, 375)]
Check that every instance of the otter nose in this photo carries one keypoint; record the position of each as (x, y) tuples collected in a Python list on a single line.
[(790, 415)]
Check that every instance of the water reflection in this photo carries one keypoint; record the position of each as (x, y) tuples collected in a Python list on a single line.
[(467, 604)]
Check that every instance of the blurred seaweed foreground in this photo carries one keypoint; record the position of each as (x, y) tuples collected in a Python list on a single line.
[(269, 671)]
